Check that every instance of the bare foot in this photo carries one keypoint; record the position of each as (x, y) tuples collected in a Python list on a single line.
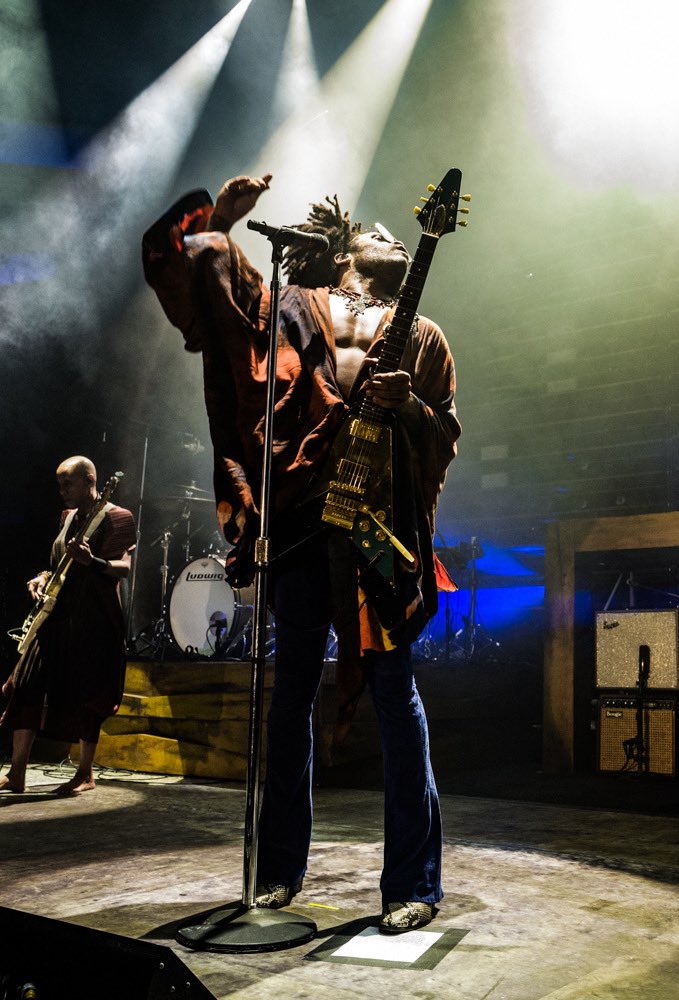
[(78, 783), (9, 784)]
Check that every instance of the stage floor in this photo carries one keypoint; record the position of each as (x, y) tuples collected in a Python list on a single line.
[(555, 901)]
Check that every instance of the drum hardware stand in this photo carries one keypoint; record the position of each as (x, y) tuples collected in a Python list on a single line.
[(157, 636), (186, 516), (470, 629), (243, 926), (132, 592), (135, 560)]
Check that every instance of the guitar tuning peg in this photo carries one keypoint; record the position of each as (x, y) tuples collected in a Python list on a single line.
[(417, 210), (424, 199), (463, 211), (466, 197), (431, 187), (462, 222)]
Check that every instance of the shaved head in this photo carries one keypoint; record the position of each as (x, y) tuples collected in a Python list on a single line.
[(78, 465)]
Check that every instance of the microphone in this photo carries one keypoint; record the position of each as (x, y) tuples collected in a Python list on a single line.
[(285, 235), (644, 662)]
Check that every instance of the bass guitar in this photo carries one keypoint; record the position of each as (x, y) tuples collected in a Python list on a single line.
[(358, 476), (45, 604)]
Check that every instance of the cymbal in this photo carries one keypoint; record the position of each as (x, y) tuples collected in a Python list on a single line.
[(188, 499), (171, 501), (192, 488)]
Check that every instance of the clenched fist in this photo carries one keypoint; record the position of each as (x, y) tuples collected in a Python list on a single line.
[(236, 198)]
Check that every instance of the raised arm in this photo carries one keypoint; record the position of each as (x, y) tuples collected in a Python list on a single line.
[(236, 198)]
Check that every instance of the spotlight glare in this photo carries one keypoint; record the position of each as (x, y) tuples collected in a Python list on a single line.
[(604, 81)]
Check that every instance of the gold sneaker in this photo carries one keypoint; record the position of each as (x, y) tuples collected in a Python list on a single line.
[(274, 897), (400, 917)]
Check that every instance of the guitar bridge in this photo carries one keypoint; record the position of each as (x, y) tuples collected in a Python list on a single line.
[(339, 511)]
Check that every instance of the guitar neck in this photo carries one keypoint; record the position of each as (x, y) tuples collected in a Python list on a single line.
[(398, 330), (65, 562)]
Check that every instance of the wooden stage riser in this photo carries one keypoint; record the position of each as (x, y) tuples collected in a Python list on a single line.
[(184, 719)]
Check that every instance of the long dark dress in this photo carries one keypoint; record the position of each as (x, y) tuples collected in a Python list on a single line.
[(71, 676)]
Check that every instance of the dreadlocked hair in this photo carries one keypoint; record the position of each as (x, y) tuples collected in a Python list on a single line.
[(306, 267)]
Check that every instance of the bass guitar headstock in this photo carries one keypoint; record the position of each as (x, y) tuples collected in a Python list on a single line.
[(439, 214), (110, 486)]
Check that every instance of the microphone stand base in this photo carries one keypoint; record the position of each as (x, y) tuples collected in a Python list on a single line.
[(239, 928)]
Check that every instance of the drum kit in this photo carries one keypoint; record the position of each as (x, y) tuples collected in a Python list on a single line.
[(201, 615)]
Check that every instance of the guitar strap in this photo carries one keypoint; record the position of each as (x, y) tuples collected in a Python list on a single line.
[(59, 546)]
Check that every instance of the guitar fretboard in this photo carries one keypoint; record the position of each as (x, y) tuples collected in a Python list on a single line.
[(398, 330)]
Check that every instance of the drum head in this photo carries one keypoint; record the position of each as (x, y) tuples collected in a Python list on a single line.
[(202, 607)]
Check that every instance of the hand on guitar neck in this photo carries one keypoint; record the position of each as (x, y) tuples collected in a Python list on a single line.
[(389, 390)]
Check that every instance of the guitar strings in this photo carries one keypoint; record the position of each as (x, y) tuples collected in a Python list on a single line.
[(357, 454)]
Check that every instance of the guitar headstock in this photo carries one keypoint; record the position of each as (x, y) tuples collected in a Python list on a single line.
[(439, 214), (110, 486)]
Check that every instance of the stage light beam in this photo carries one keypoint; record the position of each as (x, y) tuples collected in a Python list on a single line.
[(328, 143), (89, 215)]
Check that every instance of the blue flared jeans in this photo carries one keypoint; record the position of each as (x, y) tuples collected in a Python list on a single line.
[(303, 601)]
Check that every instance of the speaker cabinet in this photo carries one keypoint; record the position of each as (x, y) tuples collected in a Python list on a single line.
[(62, 961), (619, 634), (618, 726)]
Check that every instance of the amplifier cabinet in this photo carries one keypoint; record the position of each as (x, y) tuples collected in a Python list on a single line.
[(617, 732), (619, 634)]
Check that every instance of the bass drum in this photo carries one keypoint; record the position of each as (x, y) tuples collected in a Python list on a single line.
[(207, 616)]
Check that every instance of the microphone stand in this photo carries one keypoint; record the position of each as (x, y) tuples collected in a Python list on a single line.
[(636, 748), (135, 555), (243, 926)]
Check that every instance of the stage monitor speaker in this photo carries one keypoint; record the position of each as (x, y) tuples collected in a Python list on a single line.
[(619, 634), (618, 726), (54, 960)]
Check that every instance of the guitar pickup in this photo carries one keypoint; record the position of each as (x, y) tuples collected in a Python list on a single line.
[(344, 487), (365, 430)]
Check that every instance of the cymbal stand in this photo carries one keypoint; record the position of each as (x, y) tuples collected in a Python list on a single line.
[(186, 516), (470, 631), (165, 540), (153, 640), (132, 593)]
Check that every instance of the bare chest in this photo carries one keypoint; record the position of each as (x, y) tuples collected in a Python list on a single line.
[(353, 336)]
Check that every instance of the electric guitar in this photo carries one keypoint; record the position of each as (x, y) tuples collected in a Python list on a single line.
[(45, 604), (358, 476)]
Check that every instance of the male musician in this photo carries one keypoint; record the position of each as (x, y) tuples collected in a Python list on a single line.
[(332, 316), (70, 676)]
